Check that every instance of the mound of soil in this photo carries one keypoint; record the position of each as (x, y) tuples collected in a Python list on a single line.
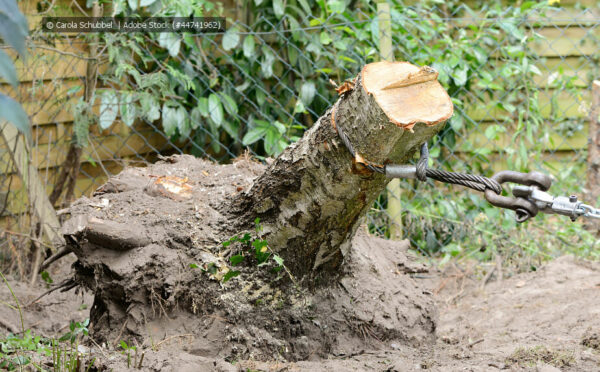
[(546, 320), (155, 263)]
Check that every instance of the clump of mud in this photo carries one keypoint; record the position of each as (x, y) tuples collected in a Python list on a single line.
[(149, 247)]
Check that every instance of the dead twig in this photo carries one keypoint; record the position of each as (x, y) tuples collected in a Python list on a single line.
[(487, 277), (65, 285), (58, 255), (118, 338), (155, 347), (471, 344)]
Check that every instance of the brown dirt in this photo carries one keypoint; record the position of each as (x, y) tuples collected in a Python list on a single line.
[(145, 290), (384, 312), (541, 321)]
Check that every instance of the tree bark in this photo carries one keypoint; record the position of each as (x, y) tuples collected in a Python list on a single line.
[(312, 198)]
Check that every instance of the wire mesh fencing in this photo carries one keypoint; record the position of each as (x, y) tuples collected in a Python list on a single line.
[(519, 78)]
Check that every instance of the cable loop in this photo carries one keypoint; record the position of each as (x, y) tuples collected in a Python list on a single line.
[(474, 182)]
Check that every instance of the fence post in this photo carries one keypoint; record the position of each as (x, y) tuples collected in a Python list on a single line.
[(593, 160), (386, 52)]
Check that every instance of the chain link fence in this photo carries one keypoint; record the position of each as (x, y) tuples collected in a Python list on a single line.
[(520, 80)]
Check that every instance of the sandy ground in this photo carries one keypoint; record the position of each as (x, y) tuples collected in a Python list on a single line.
[(548, 320)]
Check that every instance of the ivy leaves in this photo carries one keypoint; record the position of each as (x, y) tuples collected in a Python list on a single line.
[(271, 133), (175, 118), (231, 39), (109, 104), (215, 109)]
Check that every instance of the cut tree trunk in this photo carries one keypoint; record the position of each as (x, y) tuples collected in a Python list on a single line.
[(149, 242), (312, 198)]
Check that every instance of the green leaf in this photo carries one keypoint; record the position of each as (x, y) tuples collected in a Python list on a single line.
[(171, 118), (133, 4), (21, 360), (127, 108), (203, 106), (271, 141), (511, 29), (299, 107), (246, 238), (11, 111), (491, 132), (248, 46), (170, 41), (231, 127), (46, 277), (193, 266), (7, 69), (215, 109), (280, 126), (305, 6), (278, 8), (109, 106), (260, 97), (230, 105), (292, 54), (183, 123), (150, 107), (307, 92), (278, 260), (460, 76), (336, 6), (266, 66), (195, 118), (236, 260), (231, 39), (457, 122), (13, 26), (341, 44), (325, 38), (229, 275), (256, 133)]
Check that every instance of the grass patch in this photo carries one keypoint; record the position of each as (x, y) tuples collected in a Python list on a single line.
[(24, 349), (529, 357)]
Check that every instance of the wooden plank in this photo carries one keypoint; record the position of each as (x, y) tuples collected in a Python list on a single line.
[(568, 105), (566, 42), (52, 111), (580, 68), (42, 90), (476, 139), (104, 147), (48, 62), (549, 162), (19, 223), (474, 4), (38, 198)]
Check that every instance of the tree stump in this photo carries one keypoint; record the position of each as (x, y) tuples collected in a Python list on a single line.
[(149, 243)]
